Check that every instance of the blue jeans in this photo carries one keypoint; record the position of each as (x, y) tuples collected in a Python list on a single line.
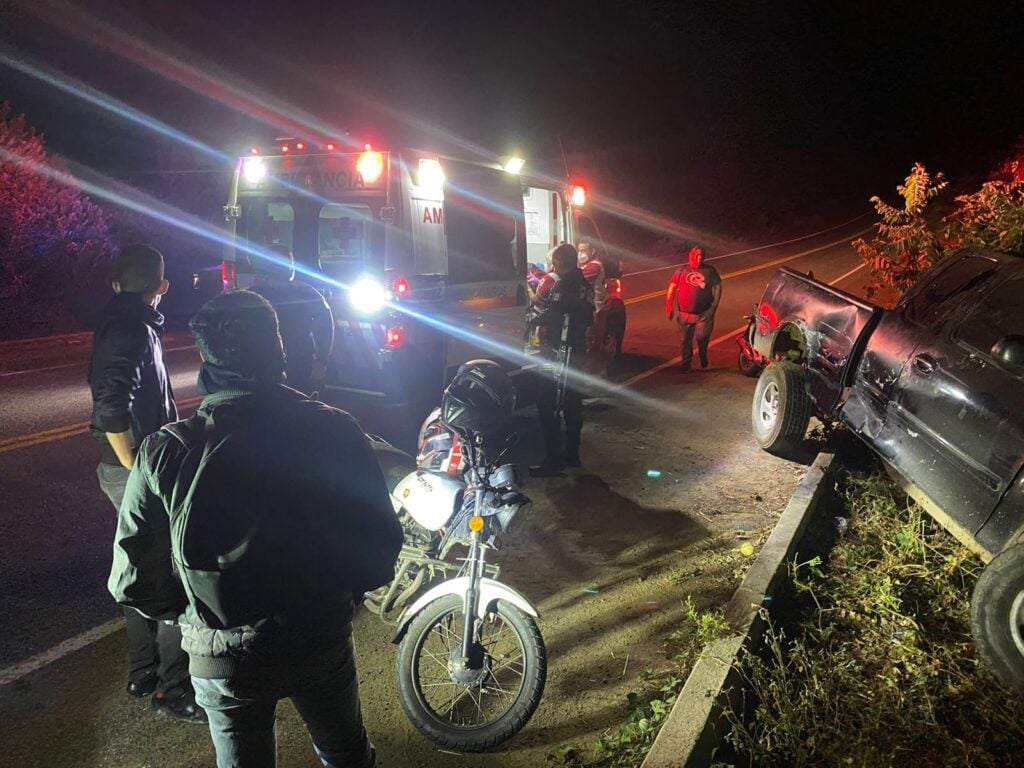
[(324, 690)]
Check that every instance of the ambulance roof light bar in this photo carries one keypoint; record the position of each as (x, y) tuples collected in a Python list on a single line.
[(579, 195)]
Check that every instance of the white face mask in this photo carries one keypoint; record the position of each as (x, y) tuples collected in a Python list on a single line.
[(582, 258)]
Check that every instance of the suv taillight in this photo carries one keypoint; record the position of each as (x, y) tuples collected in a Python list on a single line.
[(227, 275)]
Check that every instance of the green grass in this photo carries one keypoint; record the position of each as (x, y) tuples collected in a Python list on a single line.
[(880, 669), (647, 709)]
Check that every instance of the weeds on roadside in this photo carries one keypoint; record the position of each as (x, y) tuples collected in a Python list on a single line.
[(881, 671), (648, 709)]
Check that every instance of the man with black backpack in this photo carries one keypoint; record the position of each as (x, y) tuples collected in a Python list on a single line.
[(256, 525)]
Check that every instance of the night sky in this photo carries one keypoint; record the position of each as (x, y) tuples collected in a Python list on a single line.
[(738, 118)]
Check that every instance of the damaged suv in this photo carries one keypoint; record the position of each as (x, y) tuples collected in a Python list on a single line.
[(935, 387)]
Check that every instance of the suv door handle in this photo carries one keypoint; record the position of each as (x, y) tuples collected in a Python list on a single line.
[(925, 363)]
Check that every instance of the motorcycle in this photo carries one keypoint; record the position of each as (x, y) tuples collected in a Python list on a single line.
[(750, 361), (471, 662)]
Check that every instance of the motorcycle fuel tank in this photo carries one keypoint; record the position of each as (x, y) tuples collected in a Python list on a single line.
[(430, 499)]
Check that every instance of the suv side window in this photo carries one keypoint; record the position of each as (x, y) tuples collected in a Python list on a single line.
[(999, 314), (928, 303)]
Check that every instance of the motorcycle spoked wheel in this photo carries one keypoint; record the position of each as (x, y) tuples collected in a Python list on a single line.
[(495, 699)]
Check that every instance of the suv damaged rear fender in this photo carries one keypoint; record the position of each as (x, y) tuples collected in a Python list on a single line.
[(825, 326), (1005, 526)]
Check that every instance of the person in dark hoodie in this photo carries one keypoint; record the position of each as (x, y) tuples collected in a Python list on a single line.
[(305, 320), (257, 524), (572, 297), (131, 399)]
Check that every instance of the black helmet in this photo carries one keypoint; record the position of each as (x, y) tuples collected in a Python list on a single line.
[(480, 398)]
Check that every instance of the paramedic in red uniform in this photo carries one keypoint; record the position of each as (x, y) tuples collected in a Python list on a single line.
[(691, 300)]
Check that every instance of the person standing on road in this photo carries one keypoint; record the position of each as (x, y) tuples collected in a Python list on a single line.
[(691, 300), (304, 317), (593, 271), (570, 297), (131, 399), (257, 524)]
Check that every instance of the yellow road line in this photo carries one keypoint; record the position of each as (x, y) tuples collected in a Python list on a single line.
[(757, 267), (62, 433)]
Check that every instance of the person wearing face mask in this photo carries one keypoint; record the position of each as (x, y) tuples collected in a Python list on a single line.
[(132, 399)]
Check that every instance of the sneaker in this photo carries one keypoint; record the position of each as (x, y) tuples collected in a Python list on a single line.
[(684, 368), (140, 689), (182, 707)]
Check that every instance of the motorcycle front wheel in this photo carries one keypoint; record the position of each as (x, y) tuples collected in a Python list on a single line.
[(475, 707)]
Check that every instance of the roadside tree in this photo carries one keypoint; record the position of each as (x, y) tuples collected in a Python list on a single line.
[(54, 242)]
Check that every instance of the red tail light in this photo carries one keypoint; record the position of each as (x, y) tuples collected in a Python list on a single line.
[(227, 274), (300, 146), (579, 196), (615, 288), (394, 336), (285, 149), (400, 288)]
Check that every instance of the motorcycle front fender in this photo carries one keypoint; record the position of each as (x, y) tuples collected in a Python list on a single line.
[(490, 592)]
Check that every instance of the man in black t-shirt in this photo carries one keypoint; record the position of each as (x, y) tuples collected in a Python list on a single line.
[(691, 300)]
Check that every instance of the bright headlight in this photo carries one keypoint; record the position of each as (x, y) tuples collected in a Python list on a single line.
[(254, 169), (367, 295)]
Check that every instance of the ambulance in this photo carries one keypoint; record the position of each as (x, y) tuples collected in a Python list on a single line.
[(423, 257)]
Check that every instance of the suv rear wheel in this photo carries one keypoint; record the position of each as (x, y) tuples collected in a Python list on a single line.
[(997, 616), (781, 409)]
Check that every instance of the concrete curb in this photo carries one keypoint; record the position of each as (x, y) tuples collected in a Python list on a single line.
[(690, 735)]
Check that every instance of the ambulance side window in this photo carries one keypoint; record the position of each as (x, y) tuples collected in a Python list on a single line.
[(266, 223)]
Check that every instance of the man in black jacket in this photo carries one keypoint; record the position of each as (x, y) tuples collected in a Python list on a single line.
[(256, 524), (132, 398), (572, 298)]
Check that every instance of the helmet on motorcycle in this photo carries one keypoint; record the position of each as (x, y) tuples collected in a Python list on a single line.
[(480, 398)]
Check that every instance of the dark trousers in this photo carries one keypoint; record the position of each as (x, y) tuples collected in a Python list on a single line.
[(691, 325), (572, 411), (325, 691), (154, 648)]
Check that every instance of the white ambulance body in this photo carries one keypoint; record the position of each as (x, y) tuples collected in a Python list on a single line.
[(423, 258)]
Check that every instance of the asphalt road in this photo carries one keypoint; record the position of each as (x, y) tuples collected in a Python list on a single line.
[(56, 527)]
